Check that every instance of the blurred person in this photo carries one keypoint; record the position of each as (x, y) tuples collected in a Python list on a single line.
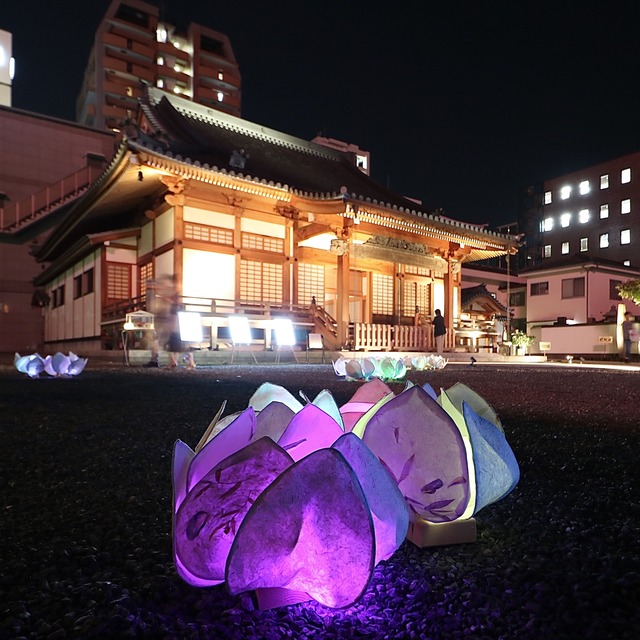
[(439, 330)]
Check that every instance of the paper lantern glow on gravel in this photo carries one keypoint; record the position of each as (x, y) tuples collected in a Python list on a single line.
[(303, 500)]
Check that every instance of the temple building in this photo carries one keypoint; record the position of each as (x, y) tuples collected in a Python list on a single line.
[(245, 218)]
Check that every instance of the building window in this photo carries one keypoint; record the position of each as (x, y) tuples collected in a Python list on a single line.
[(584, 187), (604, 181), (77, 287), (573, 288), (584, 244), (625, 236), (260, 281), (547, 251), (382, 301), (565, 248), (583, 216), (614, 294), (118, 281), (311, 284), (262, 243), (565, 219), (205, 233), (565, 193), (539, 288), (604, 211), (220, 96), (604, 240), (416, 294), (547, 197), (145, 276), (627, 263), (88, 281), (625, 206), (625, 176), (547, 224), (516, 299)]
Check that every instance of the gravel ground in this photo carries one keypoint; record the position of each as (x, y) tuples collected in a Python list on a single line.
[(86, 513)]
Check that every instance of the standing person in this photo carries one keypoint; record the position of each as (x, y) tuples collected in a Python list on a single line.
[(439, 330), (627, 328), (160, 295), (175, 345)]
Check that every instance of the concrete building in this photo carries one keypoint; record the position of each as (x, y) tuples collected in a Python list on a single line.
[(45, 164), (135, 47), (7, 66)]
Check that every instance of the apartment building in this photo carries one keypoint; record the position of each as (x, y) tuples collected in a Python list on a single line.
[(594, 213), (135, 47)]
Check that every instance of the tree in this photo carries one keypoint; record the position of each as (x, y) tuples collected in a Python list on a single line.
[(630, 290)]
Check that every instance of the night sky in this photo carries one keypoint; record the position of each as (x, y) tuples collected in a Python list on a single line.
[(460, 103)]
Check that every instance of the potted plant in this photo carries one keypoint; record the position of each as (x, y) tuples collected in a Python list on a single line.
[(521, 341)]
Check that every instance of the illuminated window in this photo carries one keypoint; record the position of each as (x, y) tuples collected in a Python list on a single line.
[(130, 91), (625, 176), (382, 290), (565, 247), (548, 224), (573, 287), (118, 281), (160, 83), (207, 233), (145, 275), (625, 236), (625, 206), (260, 281), (627, 263), (547, 251), (547, 197), (220, 96), (583, 216), (565, 219), (604, 181), (220, 75), (604, 211), (161, 35), (160, 60), (311, 283), (584, 244), (262, 243), (604, 240), (565, 192), (416, 294), (584, 187), (539, 288)]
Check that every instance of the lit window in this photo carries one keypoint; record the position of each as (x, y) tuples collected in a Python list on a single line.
[(604, 211), (627, 263), (220, 75), (625, 176), (584, 187), (547, 197), (177, 67), (160, 83), (625, 236), (220, 96), (161, 35), (604, 181), (548, 224), (130, 91), (160, 60), (625, 206), (176, 89), (547, 251), (565, 192), (604, 240), (565, 219), (583, 216), (584, 244), (565, 248)]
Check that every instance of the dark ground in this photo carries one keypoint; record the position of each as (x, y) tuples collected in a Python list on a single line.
[(86, 512)]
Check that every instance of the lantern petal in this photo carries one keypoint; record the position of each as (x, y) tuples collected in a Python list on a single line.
[(309, 430), (268, 392), (362, 400), (236, 436), (273, 420), (496, 467), (325, 401), (210, 515), (310, 531), (388, 506), (460, 392), (419, 444)]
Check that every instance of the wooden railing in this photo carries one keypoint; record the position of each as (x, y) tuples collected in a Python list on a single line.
[(385, 337)]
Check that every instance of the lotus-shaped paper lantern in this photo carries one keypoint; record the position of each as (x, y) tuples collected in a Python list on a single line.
[(284, 500), (424, 362), (58, 366), (303, 500)]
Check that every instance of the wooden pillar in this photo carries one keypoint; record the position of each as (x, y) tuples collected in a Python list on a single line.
[(342, 306), (449, 284)]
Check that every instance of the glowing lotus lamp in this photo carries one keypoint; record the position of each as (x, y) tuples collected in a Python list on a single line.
[(58, 366), (281, 501)]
